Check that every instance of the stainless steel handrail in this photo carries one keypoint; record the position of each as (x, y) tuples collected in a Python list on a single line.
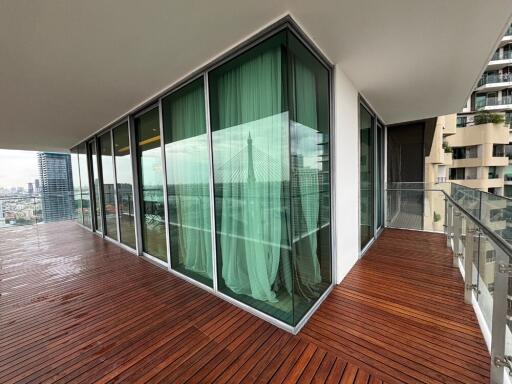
[(485, 229)]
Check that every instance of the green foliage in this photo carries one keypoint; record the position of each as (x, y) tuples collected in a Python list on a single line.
[(447, 148), (437, 217), (486, 117)]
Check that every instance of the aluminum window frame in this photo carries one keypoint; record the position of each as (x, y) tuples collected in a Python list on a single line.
[(286, 23)]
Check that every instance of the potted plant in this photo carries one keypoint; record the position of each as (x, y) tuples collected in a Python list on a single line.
[(447, 148)]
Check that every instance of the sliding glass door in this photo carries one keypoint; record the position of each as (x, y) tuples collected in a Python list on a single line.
[(84, 183), (96, 191), (124, 185), (366, 176), (149, 156), (77, 197), (188, 188), (109, 196), (379, 177), (371, 177)]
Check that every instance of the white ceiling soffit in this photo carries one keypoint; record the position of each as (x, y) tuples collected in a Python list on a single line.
[(68, 68)]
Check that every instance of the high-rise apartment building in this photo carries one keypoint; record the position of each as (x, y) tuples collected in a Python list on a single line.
[(493, 92), (482, 153), (56, 186)]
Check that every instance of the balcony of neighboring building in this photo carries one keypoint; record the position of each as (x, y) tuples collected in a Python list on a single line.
[(494, 103), (507, 38), (500, 59), (470, 132), (494, 82)]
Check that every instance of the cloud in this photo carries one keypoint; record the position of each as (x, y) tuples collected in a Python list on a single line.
[(17, 168)]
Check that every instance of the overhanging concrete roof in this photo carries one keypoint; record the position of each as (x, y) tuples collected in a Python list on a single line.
[(69, 68)]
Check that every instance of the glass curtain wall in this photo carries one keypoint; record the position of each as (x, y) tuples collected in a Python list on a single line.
[(84, 183), (379, 179), (97, 219), (270, 135), (124, 185), (367, 175), (188, 194), (109, 191), (149, 156), (372, 136), (77, 196), (308, 90), (269, 115)]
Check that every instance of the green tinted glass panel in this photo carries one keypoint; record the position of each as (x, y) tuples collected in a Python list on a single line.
[(84, 182), (109, 193), (149, 153), (308, 82), (186, 153), (77, 197), (250, 140), (366, 177), (379, 178), (124, 184), (98, 223)]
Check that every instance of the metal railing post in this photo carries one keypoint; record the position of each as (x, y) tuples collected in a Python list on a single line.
[(449, 225), (469, 250), (457, 234), (502, 273)]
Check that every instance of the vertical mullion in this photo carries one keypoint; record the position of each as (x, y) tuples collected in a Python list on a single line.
[(79, 183), (211, 181), (100, 186), (164, 183), (385, 175), (132, 138), (92, 205), (375, 177), (116, 202)]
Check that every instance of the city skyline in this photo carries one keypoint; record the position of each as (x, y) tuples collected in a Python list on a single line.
[(17, 168)]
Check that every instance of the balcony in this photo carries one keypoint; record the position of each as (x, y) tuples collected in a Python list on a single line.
[(494, 82), (507, 38), (500, 60), (86, 310), (491, 104)]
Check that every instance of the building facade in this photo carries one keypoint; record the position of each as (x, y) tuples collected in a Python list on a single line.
[(492, 94), (56, 186)]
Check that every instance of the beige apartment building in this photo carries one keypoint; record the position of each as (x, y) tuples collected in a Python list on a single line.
[(473, 155)]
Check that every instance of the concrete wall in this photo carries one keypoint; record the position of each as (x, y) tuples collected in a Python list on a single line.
[(346, 173)]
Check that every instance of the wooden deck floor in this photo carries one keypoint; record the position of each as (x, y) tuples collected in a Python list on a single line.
[(75, 308)]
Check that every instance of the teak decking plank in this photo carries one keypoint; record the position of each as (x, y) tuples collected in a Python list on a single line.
[(76, 308)]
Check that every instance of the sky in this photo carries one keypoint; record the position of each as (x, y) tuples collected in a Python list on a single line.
[(17, 168)]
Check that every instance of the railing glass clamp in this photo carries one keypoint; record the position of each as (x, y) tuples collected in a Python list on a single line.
[(503, 362)]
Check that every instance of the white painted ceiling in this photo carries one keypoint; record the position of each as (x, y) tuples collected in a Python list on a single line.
[(69, 67)]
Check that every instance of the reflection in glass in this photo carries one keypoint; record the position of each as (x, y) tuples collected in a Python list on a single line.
[(97, 187), (84, 182), (124, 180), (186, 152), (149, 153), (270, 141), (380, 176), (77, 198), (109, 197), (251, 179), (366, 177), (310, 180)]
